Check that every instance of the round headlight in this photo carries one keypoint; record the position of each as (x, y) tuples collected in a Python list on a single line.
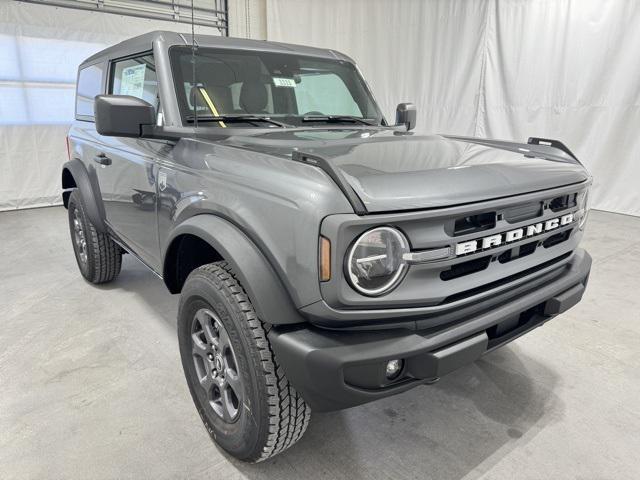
[(375, 263)]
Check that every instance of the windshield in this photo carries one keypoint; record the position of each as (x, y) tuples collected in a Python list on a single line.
[(247, 87)]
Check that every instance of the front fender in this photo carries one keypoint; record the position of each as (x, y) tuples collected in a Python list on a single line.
[(270, 299), (89, 190)]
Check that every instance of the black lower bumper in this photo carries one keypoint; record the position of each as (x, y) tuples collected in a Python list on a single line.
[(334, 370)]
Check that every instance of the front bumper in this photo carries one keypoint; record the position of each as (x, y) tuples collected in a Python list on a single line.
[(334, 370)]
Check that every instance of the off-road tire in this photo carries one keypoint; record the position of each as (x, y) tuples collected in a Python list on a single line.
[(272, 415), (100, 260)]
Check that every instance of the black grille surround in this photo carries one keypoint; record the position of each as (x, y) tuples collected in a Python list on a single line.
[(465, 278)]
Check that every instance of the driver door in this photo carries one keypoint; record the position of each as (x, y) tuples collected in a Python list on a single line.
[(127, 167)]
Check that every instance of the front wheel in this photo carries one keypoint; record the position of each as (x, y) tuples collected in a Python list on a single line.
[(241, 393)]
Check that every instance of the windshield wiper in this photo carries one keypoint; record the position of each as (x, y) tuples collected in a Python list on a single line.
[(236, 118), (335, 118)]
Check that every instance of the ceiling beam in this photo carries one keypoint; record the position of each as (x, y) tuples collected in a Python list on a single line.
[(167, 10)]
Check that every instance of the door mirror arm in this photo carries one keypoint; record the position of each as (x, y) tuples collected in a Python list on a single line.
[(159, 133)]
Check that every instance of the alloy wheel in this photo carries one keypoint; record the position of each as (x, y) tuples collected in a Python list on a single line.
[(216, 365), (79, 237)]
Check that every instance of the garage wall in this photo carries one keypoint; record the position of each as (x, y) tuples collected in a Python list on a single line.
[(507, 69), (40, 49)]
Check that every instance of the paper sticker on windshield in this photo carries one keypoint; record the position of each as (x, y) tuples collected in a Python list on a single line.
[(284, 82), (132, 81)]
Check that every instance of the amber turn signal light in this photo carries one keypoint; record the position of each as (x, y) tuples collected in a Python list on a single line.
[(325, 259)]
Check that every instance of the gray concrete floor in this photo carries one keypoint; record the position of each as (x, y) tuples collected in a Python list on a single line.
[(91, 384)]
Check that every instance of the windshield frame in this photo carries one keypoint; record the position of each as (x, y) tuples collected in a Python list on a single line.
[(178, 80)]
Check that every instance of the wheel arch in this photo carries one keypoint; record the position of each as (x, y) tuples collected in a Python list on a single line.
[(207, 238), (76, 176)]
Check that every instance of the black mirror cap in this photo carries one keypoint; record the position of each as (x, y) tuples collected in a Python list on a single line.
[(122, 115), (406, 114)]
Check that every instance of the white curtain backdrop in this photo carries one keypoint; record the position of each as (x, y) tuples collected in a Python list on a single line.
[(506, 69), (40, 49)]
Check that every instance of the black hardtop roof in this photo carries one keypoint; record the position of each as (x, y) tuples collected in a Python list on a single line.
[(145, 42)]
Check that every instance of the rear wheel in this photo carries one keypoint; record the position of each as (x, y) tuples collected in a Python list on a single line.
[(241, 393), (99, 258)]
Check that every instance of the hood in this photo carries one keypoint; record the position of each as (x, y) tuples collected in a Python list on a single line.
[(393, 171)]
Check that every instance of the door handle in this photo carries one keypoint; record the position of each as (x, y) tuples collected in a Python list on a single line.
[(102, 159)]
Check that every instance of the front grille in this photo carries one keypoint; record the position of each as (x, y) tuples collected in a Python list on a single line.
[(481, 270), (504, 281), (557, 239), (518, 252), (460, 276), (466, 268), (474, 223), (520, 213), (563, 202)]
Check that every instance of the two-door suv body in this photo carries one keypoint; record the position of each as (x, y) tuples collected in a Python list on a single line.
[(325, 258)]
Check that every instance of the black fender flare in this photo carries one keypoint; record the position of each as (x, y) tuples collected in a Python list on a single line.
[(270, 299), (87, 185)]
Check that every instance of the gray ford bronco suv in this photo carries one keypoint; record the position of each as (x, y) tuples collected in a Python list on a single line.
[(325, 258)]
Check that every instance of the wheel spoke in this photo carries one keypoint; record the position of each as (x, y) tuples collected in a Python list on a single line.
[(233, 380), (199, 348), (210, 335), (203, 372), (223, 338), (230, 407), (207, 383), (216, 399), (201, 352), (201, 317), (205, 324)]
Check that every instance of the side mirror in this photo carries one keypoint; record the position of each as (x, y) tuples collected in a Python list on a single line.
[(122, 115), (406, 114)]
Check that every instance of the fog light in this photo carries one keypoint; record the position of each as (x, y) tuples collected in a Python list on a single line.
[(393, 368)]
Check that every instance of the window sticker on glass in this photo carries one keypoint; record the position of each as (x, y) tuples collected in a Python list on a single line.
[(284, 82), (132, 81)]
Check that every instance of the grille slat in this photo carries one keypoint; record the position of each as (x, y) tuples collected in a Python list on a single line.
[(466, 268), (474, 223), (520, 213), (503, 281)]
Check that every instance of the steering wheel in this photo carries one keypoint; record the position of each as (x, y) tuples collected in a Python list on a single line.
[(311, 113)]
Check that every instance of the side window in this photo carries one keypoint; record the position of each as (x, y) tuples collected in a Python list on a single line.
[(135, 77), (325, 93), (89, 85)]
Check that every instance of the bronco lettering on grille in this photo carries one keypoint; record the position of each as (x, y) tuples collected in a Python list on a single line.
[(498, 239)]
